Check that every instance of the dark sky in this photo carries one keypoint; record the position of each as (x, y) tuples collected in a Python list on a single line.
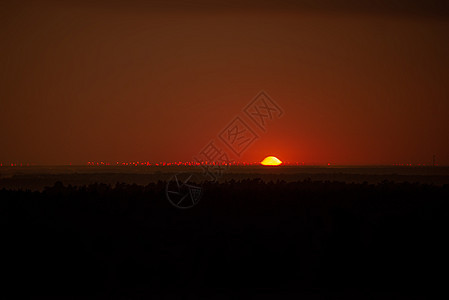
[(359, 82)]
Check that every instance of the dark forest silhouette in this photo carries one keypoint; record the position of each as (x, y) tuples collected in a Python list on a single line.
[(247, 236)]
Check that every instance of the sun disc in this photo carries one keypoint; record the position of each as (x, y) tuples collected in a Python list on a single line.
[(271, 161)]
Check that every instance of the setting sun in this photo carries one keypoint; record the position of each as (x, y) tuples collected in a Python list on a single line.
[(271, 161)]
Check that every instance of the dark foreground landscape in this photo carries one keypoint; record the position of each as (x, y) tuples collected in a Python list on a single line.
[(245, 239)]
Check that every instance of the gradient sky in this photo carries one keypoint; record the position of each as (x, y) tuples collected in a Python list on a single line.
[(359, 83)]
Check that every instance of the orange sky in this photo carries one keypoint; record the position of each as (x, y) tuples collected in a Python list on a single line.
[(128, 81)]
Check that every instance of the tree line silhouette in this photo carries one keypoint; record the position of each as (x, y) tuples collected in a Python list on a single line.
[(246, 236)]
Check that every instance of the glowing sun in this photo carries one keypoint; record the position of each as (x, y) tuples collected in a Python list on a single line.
[(271, 161)]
